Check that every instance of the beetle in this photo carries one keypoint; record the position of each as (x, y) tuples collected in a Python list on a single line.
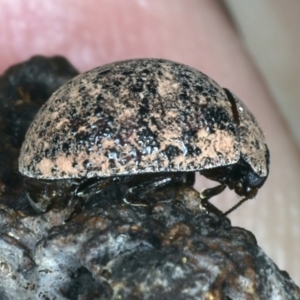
[(145, 124)]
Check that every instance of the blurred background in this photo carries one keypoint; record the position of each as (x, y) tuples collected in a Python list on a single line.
[(270, 30)]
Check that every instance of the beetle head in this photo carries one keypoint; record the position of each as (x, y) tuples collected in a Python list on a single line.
[(239, 177), (248, 185), (250, 181)]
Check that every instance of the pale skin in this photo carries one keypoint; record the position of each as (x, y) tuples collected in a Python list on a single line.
[(198, 33)]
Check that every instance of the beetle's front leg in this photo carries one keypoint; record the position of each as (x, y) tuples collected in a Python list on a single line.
[(92, 186), (137, 193), (84, 190), (206, 194)]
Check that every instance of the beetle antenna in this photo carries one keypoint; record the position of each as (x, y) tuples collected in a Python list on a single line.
[(233, 208)]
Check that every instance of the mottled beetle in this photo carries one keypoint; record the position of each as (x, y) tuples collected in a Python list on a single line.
[(145, 123)]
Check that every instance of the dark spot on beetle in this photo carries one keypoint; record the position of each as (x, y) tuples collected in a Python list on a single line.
[(210, 130), (207, 161), (215, 117), (76, 123), (155, 123), (144, 108), (81, 137), (88, 113), (185, 76), (98, 110), (136, 155), (55, 139), (87, 149), (85, 104), (47, 152), (190, 133), (231, 128), (183, 97), (47, 124), (100, 98), (87, 164), (199, 89), (220, 155), (42, 133), (187, 109), (222, 126), (81, 89), (117, 83), (111, 152), (172, 151), (53, 152), (37, 158), (125, 160), (185, 85), (127, 73), (74, 164), (128, 104), (146, 137), (107, 131), (112, 163), (198, 151), (73, 113), (190, 151), (151, 87), (118, 140), (257, 144), (50, 110), (243, 131), (183, 117), (65, 147), (137, 86), (145, 71), (106, 87)]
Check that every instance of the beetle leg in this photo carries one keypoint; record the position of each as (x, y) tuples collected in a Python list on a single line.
[(206, 194), (84, 190), (136, 193), (92, 187), (223, 215)]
